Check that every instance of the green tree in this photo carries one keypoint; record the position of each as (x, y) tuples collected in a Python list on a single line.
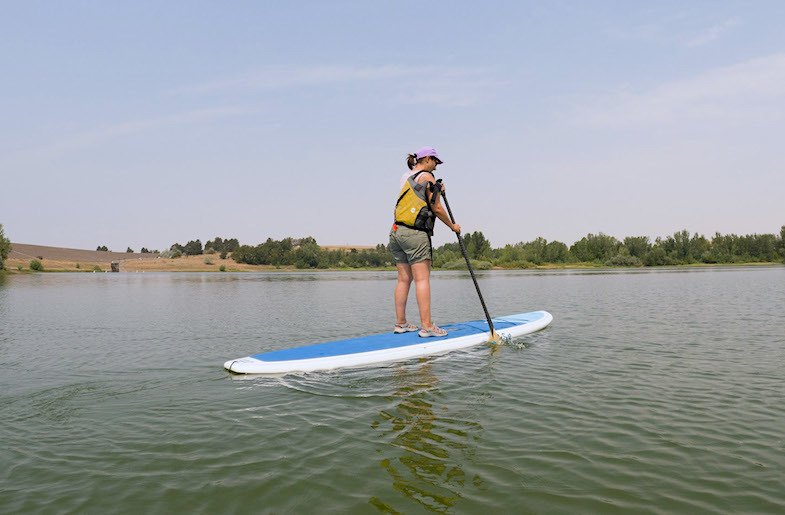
[(308, 255), (782, 243), (231, 244), (477, 245), (534, 250), (129, 250), (271, 252), (216, 244), (220, 245), (102, 248), (637, 246), (699, 247), (723, 248), (5, 247), (445, 254), (595, 247), (656, 256), (677, 246), (193, 248), (763, 247), (556, 252), (623, 258), (509, 255)]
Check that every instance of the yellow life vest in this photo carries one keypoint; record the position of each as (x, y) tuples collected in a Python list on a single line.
[(412, 209)]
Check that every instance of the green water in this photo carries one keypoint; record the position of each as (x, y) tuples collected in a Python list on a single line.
[(656, 391)]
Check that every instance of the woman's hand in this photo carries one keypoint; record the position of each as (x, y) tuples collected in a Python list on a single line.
[(456, 228)]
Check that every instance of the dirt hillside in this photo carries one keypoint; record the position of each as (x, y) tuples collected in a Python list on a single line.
[(25, 251), (65, 259), (58, 259)]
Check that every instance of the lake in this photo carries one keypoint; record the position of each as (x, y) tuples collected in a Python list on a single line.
[(653, 391)]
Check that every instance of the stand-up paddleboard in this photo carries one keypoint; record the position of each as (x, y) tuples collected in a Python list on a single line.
[(381, 348)]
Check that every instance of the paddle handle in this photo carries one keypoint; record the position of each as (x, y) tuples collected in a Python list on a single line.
[(469, 266)]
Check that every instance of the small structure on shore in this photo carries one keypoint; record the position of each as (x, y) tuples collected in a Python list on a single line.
[(115, 266)]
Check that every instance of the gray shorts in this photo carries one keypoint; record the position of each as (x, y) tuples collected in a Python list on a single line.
[(409, 245)]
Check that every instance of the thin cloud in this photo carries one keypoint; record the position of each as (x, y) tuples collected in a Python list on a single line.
[(679, 28), (436, 86), (752, 90), (284, 77), (711, 34), (449, 91), (97, 136)]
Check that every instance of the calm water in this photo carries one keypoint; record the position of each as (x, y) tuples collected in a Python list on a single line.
[(652, 391)]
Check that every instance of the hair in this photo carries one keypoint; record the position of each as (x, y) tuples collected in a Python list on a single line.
[(412, 160)]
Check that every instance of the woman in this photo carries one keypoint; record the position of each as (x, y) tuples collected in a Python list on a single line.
[(418, 205)]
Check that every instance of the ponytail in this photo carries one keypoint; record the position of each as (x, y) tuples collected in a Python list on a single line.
[(411, 160)]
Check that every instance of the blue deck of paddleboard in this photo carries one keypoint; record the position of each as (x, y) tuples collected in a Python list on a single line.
[(391, 340)]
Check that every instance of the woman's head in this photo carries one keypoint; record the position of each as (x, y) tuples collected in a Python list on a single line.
[(426, 157)]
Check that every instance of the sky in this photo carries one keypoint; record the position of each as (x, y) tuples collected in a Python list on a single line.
[(141, 124)]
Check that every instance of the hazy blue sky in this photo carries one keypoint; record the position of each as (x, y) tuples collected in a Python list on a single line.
[(144, 123)]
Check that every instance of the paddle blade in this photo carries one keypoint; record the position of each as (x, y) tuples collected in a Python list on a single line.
[(495, 338)]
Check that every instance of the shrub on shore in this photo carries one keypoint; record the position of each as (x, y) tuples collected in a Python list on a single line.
[(172, 254), (36, 265), (5, 247)]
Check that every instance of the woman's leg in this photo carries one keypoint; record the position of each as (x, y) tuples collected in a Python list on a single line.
[(422, 288), (402, 291)]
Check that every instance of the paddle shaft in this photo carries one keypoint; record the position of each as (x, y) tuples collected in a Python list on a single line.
[(469, 266)]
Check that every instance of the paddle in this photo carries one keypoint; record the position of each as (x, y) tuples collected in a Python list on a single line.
[(494, 338)]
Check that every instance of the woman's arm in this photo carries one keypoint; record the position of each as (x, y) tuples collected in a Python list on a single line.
[(436, 206)]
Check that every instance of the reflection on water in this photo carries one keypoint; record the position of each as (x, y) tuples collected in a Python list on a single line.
[(418, 438)]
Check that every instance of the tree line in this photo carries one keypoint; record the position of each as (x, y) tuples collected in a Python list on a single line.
[(306, 253), (680, 248), (217, 245), (192, 248)]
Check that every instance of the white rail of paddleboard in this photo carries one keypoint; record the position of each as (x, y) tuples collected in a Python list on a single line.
[(386, 347)]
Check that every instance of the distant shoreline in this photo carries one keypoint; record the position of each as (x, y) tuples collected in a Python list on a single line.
[(59, 260), (198, 264)]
